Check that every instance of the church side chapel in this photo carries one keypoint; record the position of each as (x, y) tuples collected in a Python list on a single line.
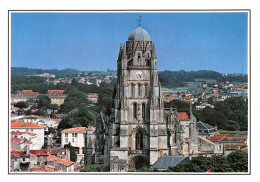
[(139, 130)]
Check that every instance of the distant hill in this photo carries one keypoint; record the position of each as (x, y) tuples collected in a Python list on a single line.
[(167, 78), (177, 78), (20, 71)]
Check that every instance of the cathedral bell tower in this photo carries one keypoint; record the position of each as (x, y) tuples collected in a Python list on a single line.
[(139, 129)]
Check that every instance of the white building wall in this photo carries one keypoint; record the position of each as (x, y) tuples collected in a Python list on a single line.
[(78, 141), (38, 141)]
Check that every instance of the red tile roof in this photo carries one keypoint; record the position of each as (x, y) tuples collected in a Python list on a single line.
[(93, 96), (19, 154), (233, 146), (56, 120), (74, 130), (39, 152), (183, 116), (21, 133), (26, 91), (42, 168), (56, 91), (15, 150), (16, 140), (66, 162), (19, 124), (224, 137), (52, 158), (31, 117), (206, 140), (48, 151)]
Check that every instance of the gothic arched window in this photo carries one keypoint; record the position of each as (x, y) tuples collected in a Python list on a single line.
[(135, 111), (146, 90), (133, 90), (143, 111), (139, 141), (140, 90)]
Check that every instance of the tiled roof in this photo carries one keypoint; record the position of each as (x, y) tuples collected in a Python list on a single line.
[(234, 138), (15, 150), (21, 133), (66, 162), (206, 140), (183, 116), (74, 130), (56, 120), (18, 154), (42, 168), (19, 124), (48, 151), (15, 120), (56, 91), (16, 140), (31, 117), (52, 158), (26, 91), (233, 146), (38, 152), (93, 96), (42, 125)]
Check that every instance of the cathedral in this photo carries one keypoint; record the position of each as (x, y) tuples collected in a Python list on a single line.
[(139, 130)]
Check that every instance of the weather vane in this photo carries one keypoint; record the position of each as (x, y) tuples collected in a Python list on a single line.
[(139, 19)]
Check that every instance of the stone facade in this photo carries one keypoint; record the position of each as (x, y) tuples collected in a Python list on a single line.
[(57, 96), (140, 129), (24, 96)]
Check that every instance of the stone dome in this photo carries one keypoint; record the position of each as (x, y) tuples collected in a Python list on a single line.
[(139, 34)]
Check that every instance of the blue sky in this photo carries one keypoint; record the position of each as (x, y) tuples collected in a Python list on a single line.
[(90, 41)]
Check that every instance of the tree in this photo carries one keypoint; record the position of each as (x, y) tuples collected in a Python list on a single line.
[(73, 100), (54, 107), (238, 161), (73, 155), (230, 114), (74, 82), (210, 100), (41, 112), (81, 116), (201, 164), (181, 106), (21, 105), (43, 101), (105, 99), (91, 168)]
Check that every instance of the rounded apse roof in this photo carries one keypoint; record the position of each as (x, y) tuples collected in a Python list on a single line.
[(139, 34)]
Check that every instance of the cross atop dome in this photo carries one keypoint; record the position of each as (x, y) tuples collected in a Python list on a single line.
[(139, 19)]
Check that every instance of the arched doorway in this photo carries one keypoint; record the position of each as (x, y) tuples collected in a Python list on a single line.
[(137, 162)]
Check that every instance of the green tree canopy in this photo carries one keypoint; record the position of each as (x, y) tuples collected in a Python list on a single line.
[(73, 155), (21, 105), (230, 114), (238, 161), (73, 100), (91, 168), (235, 162), (44, 101)]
